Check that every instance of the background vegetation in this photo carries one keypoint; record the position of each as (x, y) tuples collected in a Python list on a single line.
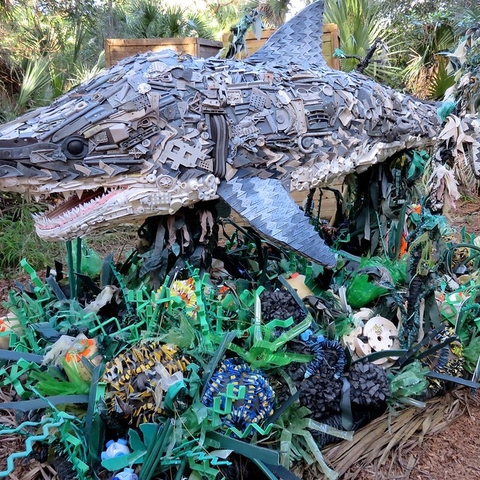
[(49, 46)]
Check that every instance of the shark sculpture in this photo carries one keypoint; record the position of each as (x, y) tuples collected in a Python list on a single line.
[(162, 131)]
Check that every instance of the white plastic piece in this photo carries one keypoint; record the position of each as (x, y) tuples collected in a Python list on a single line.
[(115, 449), (382, 335)]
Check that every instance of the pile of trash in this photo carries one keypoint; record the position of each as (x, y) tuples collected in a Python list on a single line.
[(243, 362)]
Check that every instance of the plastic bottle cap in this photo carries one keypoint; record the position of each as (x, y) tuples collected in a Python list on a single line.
[(110, 442), (128, 470), (122, 441)]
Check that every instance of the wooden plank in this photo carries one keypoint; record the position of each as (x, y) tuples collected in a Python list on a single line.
[(207, 48), (328, 203), (117, 49)]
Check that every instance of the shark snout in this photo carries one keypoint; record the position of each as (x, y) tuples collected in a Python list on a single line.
[(20, 148)]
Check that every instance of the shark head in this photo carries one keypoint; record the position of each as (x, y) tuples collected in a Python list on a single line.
[(161, 131)]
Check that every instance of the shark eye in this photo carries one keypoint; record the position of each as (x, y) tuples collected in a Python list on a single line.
[(75, 148)]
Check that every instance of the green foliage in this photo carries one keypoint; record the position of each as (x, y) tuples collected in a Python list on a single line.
[(36, 84), (70, 36), (43, 42), (178, 22), (143, 17), (465, 16), (441, 82), (273, 12), (360, 24), (18, 239), (425, 73), (148, 19), (223, 15), (83, 72)]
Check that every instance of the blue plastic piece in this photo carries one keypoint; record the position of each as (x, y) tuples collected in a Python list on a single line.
[(317, 346), (127, 474), (115, 449), (306, 335)]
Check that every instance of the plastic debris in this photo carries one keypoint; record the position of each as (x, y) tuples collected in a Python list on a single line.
[(115, 449), (126, 474)]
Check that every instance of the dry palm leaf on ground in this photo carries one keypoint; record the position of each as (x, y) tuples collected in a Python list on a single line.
[(387, 442)]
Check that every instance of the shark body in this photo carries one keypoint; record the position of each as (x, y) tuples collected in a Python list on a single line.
[(162, 131)]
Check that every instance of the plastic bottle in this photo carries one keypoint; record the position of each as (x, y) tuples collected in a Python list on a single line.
[(127, 474), (115, 449)]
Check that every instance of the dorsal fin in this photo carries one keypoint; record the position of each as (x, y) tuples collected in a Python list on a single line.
[(298, 41)]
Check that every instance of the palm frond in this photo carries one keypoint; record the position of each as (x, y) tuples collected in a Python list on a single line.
[(142, 18), (273, 12), (360, 25), (83, 73), (172, 22), (199, 26), (442, 81), (425, 73), (36, 83)]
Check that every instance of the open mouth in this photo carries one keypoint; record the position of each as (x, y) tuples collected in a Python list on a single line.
[(75, 208)]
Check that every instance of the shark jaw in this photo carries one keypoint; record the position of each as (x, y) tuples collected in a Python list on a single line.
[(78, 216), (97, 210)]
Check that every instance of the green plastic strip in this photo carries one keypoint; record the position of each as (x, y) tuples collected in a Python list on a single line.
[(78, 267), (27, 405), (16, 356), (52, 283), (71, 274), (280, 471), (436, 348), (264, 469), (450, 378), (247, 450), (33, 274), (410, 356), (282, 408), (382, 354), (346, 406), (227, 339)]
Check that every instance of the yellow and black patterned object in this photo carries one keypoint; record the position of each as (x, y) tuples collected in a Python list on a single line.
[(138, 380), (448, 360)]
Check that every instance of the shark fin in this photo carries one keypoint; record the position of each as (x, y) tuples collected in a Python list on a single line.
[(298, 41), (270, 210)]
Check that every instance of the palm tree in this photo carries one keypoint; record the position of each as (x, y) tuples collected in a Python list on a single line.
[(42, 48), (360, 25), (426, 75), (176, 21), (148, 19), (273, 12), (143, 17)]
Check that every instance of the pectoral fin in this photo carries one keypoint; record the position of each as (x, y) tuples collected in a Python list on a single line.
[(270, 210)]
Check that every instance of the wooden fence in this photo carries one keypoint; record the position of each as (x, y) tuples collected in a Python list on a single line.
[(118, 48)]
